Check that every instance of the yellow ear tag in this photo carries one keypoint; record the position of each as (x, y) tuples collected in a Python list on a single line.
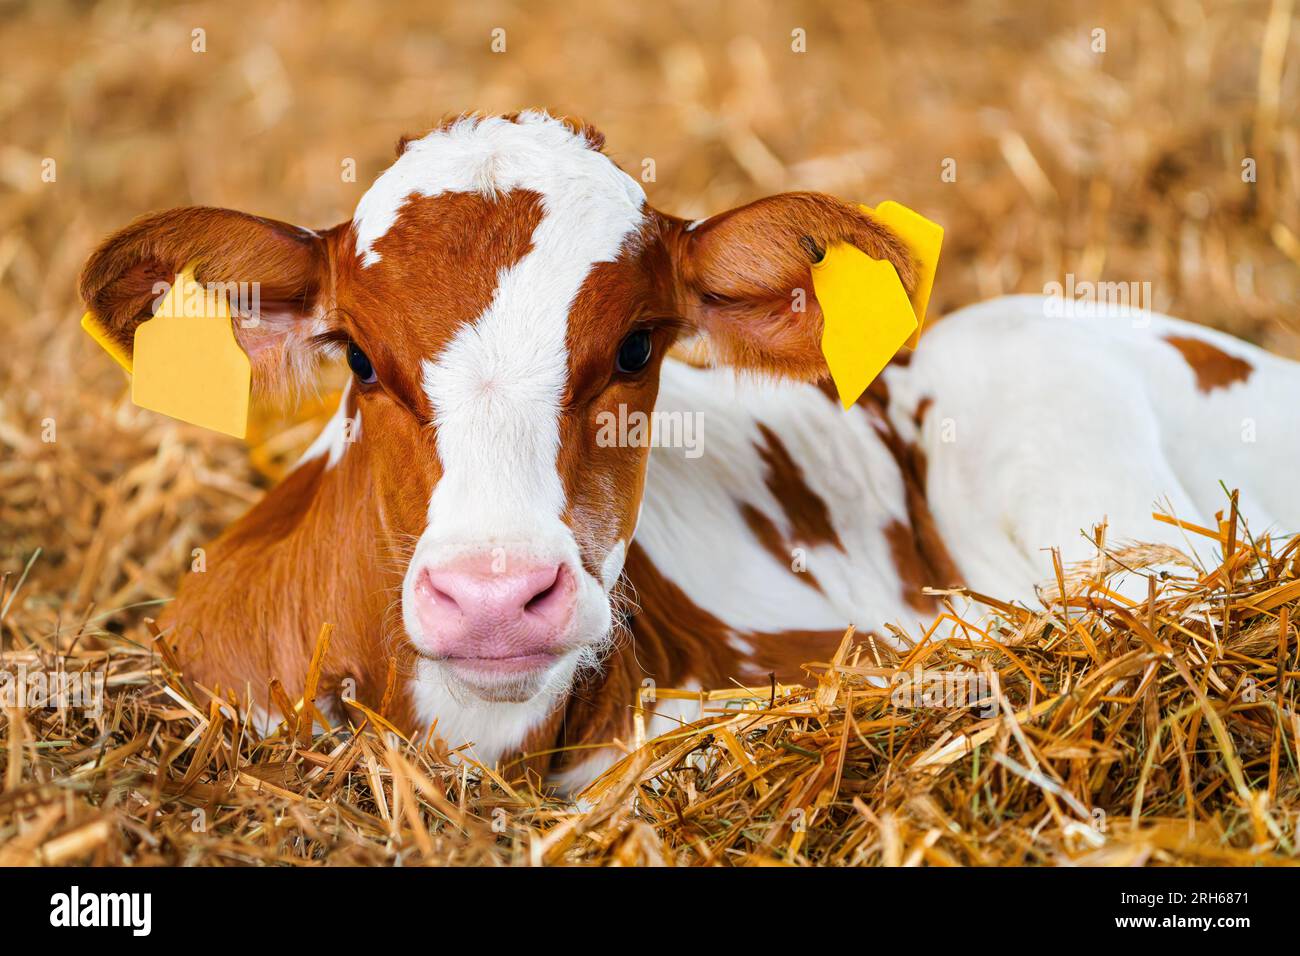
[(867, 316), (923, 239), (95, 329), (187, 363)]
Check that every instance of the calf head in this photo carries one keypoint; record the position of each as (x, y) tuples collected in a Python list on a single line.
[(500, 286)]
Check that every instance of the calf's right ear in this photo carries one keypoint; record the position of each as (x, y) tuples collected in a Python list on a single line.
[(280, 272)]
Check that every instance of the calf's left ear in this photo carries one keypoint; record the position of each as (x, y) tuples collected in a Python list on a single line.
[(750, 279)]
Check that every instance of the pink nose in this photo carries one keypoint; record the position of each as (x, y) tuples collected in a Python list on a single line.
[(513, 618)]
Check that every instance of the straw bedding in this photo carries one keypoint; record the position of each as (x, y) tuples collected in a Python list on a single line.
[(1163, 731), (1097, 730)]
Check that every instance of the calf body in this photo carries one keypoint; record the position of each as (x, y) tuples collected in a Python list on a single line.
[(1007, 433), (495, 567)]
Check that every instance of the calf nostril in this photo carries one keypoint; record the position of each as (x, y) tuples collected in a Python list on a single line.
[(467, 597), (547, 596), (436, 594), (442, 597)]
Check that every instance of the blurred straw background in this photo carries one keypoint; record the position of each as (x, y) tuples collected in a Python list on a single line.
[(1124, 164)]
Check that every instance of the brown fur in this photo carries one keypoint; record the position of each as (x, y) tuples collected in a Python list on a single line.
[(774, 542), (1213, 367), (292, 266), (919, 553), (806, 512), (739, 271)]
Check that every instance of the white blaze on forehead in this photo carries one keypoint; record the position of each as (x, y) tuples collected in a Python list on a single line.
[(496, 387), (490, 156)]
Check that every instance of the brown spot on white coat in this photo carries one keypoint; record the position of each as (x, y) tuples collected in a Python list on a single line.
[(1213, 367)]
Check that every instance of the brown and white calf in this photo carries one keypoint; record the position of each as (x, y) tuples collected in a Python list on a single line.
[(503, 290)]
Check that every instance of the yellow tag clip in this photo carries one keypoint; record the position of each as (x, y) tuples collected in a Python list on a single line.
[(95, 329), (867, 313), (186, 362)]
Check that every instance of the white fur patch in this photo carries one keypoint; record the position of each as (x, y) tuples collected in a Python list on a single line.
[(492, 155), (1036, 429), (339, 432), (612, 566), (694, 531), (493, 729), (496, 388), (1040, 426)]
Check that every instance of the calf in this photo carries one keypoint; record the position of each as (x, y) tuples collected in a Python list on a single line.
[(507, 301)]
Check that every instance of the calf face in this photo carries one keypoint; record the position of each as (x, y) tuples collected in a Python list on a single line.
[(501, 288)]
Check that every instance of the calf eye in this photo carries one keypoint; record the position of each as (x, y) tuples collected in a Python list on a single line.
[(634, 353), (360, 365)]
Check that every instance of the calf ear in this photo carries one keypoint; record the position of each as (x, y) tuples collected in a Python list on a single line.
[(281, 273), (746, 277)]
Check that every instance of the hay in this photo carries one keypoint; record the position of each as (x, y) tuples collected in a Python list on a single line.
[(1123, 166), (1095, 730)]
